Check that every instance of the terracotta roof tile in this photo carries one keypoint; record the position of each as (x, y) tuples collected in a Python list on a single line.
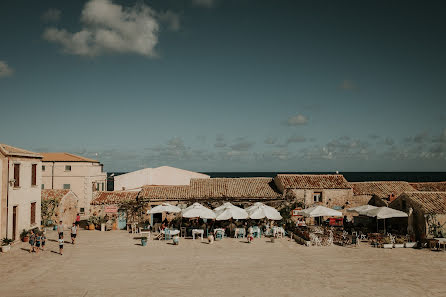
[(256, 187), (430, 202), (430, 186), (65, 157), (382, 189), (166, 193), (116, 197), (15, 151), (313, 181), (57, 194)]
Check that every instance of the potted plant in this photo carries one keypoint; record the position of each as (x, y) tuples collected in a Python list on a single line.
[(6, 244), (103, 221), (144, 240), (399, 242), (24, 236), (387, 243), (91, 221)]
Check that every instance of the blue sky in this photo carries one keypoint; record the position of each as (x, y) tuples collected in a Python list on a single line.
[(221, 85)]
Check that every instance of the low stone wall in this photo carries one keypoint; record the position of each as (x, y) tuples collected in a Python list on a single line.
[(300, 240)]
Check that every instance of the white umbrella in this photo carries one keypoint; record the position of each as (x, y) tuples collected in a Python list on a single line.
[(165, 207), (361, 209), (260, 211), (197, 210), (385, 213), (229, 211), (319, 211)]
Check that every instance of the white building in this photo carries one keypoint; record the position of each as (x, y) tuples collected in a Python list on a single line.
[(20, 179), (164, 175), (81, 175)]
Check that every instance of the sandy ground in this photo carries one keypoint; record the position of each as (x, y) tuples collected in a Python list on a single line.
[(114, 264)]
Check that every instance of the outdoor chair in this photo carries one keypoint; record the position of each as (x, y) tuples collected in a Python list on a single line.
[(219, 234), (239, 232), (256, 232), (160, 234), (167, 234), (183, 232)]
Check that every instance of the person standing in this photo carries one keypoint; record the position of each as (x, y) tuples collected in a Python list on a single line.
[(73, 233), (43, 240), (38, 241), (60, 229), (78, 219), (61, 241), (32, 240)]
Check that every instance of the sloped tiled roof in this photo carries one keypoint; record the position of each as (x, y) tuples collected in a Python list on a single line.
[(313, 181), (430, 186), (382, 189), (116, 197), (167, 193), (255, 187), (56, 194), (215, 188), (65, 157), (15, 151), (430, 202)]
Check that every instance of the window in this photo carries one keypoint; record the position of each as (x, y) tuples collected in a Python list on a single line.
[(82, 210), (33, 213), (43, 167), (16, 175), (317, 197), (43, 186), (34, 175), (67, 167), (66, 186), (102, 186), (97, 186)]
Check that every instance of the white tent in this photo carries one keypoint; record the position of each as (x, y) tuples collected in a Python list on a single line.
[(260, 211), (229, 211), (319, 211), (385, 213), (165, 207), (361, 209), (197, 210)]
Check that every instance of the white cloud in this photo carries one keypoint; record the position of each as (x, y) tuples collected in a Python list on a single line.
[(5, 70), (204, 3), (110, 28), (52, 15), (297, 120)]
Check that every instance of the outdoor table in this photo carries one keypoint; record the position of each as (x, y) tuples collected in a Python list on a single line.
[(172, 232), (239, 231), (197, 231)]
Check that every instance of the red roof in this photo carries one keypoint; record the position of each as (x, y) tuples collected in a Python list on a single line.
[(115, 197), (430, 186)]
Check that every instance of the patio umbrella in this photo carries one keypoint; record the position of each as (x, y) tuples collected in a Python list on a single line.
[(197, 210), (361, 209), (165, 207), (319, 211), (260, 211), (384, 213), (229, 211)]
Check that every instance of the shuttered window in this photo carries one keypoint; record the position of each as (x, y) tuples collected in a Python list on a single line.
[(34, 175), (16, 175), (33, 213), (66, 186)]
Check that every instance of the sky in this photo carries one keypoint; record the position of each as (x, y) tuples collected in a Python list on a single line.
[(227, 85)]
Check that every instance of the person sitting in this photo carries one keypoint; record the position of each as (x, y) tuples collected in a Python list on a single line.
[(163, 226)]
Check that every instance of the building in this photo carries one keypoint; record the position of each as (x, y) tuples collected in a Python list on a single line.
[(427, 212), (379, 193), (59, 205), (164, 175), (430, 186), (329, 190), (20, 179), (70, 172)]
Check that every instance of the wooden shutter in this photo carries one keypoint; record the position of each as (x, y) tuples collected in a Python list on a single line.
[(33, 212), (34, 175), (17, 175)]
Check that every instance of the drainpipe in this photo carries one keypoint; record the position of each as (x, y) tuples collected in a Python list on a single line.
[(52, 176), (7, 201)]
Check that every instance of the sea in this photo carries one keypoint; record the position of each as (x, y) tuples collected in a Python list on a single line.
[(350, 176)]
